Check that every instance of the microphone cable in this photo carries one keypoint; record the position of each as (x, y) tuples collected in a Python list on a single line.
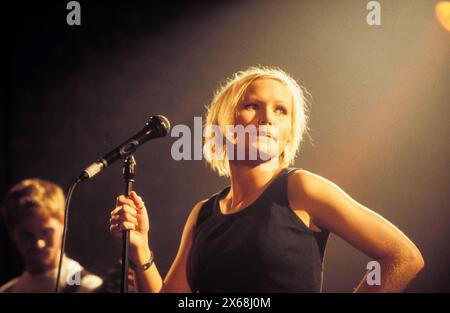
[(64, 233)]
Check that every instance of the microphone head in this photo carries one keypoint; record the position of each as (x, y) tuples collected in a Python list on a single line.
[(159, 123)]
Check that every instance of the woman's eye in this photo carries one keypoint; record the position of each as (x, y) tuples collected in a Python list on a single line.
[(281, 110), (251, 106)]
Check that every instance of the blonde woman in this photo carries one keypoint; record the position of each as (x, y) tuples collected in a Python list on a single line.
[(267, 231)]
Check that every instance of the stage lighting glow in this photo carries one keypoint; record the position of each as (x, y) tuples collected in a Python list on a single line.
[(442, 10)]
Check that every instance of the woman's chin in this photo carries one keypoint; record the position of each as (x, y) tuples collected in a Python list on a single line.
[(262, 152), (267, 150)]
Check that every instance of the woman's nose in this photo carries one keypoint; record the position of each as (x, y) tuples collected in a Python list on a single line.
[(266, 116)]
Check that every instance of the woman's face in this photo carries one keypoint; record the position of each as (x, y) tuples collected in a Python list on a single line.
[(267, 107)]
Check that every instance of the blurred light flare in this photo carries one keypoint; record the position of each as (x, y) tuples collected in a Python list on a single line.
[(442, 10)]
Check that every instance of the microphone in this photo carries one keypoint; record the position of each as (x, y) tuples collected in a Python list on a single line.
[(157, 126)]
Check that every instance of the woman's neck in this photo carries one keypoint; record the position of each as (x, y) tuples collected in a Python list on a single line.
[(248, 180)]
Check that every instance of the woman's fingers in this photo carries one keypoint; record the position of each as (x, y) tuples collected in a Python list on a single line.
[(122, 209), (133, 201), (129, 214), (124, 217), (136, 200), (124, 200), (121, 226)]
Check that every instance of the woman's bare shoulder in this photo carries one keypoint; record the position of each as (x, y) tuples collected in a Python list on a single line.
[(192, 219), (301, 179), (304, 184)]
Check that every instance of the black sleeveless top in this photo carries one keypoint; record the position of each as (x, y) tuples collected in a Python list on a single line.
[(263, 248)]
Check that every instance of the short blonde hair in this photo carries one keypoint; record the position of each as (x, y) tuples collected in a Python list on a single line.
[(221, 112), (32, 197)]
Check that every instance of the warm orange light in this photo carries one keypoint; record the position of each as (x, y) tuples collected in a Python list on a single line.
[(442, 10)]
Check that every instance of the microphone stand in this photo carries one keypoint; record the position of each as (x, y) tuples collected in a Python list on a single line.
[(129, 172)]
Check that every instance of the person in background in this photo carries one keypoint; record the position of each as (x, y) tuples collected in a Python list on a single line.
[(33, 211)]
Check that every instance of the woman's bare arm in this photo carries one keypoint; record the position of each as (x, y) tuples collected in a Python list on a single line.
[(329, 207)]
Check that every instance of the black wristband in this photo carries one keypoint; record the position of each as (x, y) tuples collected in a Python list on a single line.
[(143, 267)]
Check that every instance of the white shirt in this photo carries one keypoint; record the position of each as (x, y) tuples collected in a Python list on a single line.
[(45, 282)]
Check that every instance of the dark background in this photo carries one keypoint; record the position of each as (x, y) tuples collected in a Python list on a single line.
[(379, 118)]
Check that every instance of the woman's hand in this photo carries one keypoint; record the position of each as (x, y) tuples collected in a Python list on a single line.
[(130, 214)]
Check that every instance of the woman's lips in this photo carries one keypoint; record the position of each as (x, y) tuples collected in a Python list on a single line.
[(267, 134)]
